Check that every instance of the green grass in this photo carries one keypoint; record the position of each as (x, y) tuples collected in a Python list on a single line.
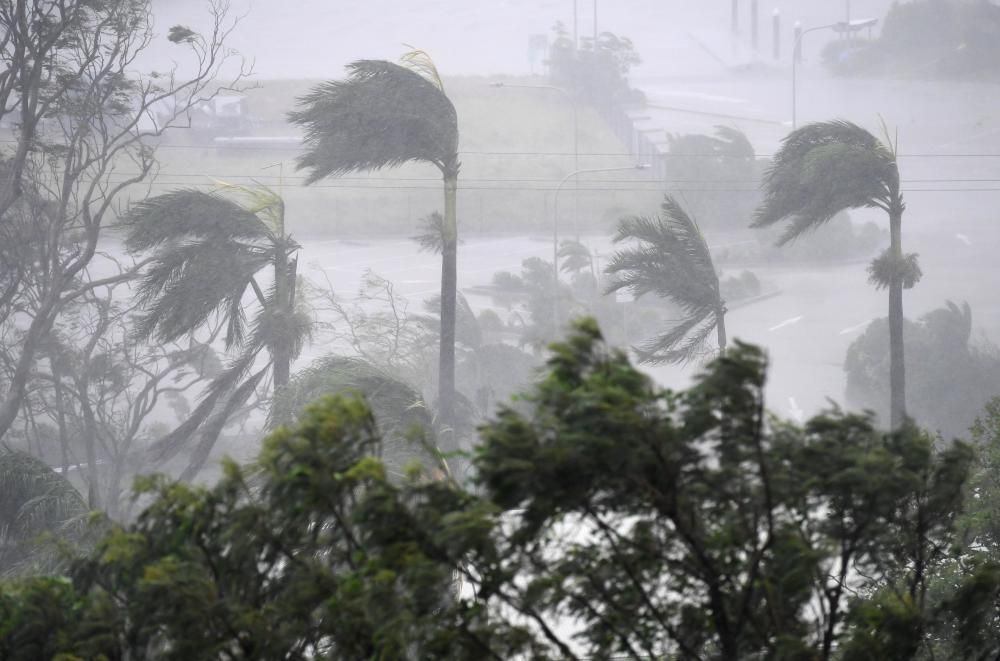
[(516, 145)]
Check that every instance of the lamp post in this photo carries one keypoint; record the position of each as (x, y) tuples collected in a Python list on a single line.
[(840, 26), (555, 228), (573, 102)]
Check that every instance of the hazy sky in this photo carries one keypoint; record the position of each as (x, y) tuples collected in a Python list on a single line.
[(315, 38)]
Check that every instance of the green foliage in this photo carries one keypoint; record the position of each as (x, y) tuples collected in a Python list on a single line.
[(610, 518), (402, 417), (949, 378), (887, 266)]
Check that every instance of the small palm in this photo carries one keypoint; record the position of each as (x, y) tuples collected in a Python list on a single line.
[(672, 261)]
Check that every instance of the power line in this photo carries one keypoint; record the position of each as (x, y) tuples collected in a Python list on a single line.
[(656, 181), (651, 186), (262, 148)]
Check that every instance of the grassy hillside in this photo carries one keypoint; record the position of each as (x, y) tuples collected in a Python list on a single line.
[(516, 145)]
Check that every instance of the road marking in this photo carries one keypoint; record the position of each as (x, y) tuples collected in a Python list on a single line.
[(787, 322), (964, 239), (851, 329)]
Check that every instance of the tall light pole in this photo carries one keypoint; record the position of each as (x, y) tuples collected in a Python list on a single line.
[(573, 102), (555, 228), (840, 26), (796, 55)]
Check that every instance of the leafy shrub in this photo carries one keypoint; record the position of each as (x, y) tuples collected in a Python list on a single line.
[(948, 380)]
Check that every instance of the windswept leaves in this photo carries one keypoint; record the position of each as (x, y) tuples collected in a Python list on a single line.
[(822, 169), (671, 260), (382, 115)]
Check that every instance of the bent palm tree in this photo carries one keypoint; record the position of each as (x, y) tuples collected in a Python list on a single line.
[(34, 500), (208, 252), (384, 115), (399, 411), (823, 169), (672, 261)]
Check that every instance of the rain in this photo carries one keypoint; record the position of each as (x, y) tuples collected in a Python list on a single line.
[(523, 329)]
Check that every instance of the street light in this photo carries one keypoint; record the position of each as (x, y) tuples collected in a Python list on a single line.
[(555, 227), (576, 135), (846, 27)]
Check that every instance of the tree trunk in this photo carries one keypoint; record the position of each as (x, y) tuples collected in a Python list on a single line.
[(897, 370), (16, 387), (280, 345), (720, 328), (449, 288)]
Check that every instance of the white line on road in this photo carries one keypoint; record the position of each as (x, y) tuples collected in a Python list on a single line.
[(857, 327), (787, 322)]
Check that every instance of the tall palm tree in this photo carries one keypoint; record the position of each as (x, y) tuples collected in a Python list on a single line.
[(384, 115), (208, 251), (672, 261), (824, 168)]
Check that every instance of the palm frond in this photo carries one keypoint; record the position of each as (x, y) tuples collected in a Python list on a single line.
[(34, 500), (189, 214), (467, 330), (420, 61), (822, 169), (381, 115), (186, 283), (431, 235), (398, 408), (273, 324), (261, 201), (575, 256), (682, 343), (211, 430), (672, 260), (170, 445)]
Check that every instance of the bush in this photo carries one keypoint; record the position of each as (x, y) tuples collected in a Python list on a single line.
[(948, 380), (927, 38)]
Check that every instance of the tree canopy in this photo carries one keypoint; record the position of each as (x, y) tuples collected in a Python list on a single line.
[(610, 518)]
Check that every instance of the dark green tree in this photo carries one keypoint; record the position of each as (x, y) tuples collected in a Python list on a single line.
[(384, 115), (672, 260), (825, 168), (611, 518)]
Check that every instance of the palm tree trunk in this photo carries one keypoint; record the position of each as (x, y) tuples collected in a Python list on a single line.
[(449, 288), (720, 329), (897, 370), (280, 348)]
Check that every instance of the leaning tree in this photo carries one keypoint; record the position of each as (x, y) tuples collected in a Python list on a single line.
[(384, 115), (671, 260), (824, 168), (208, 252)]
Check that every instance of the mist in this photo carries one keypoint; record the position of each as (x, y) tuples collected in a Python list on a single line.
[(449, 247)]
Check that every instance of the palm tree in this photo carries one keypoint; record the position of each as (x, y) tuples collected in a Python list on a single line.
[(672, 261), (208, 251), (384, 115), (35, 500), (824, 168), (399, 411)]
